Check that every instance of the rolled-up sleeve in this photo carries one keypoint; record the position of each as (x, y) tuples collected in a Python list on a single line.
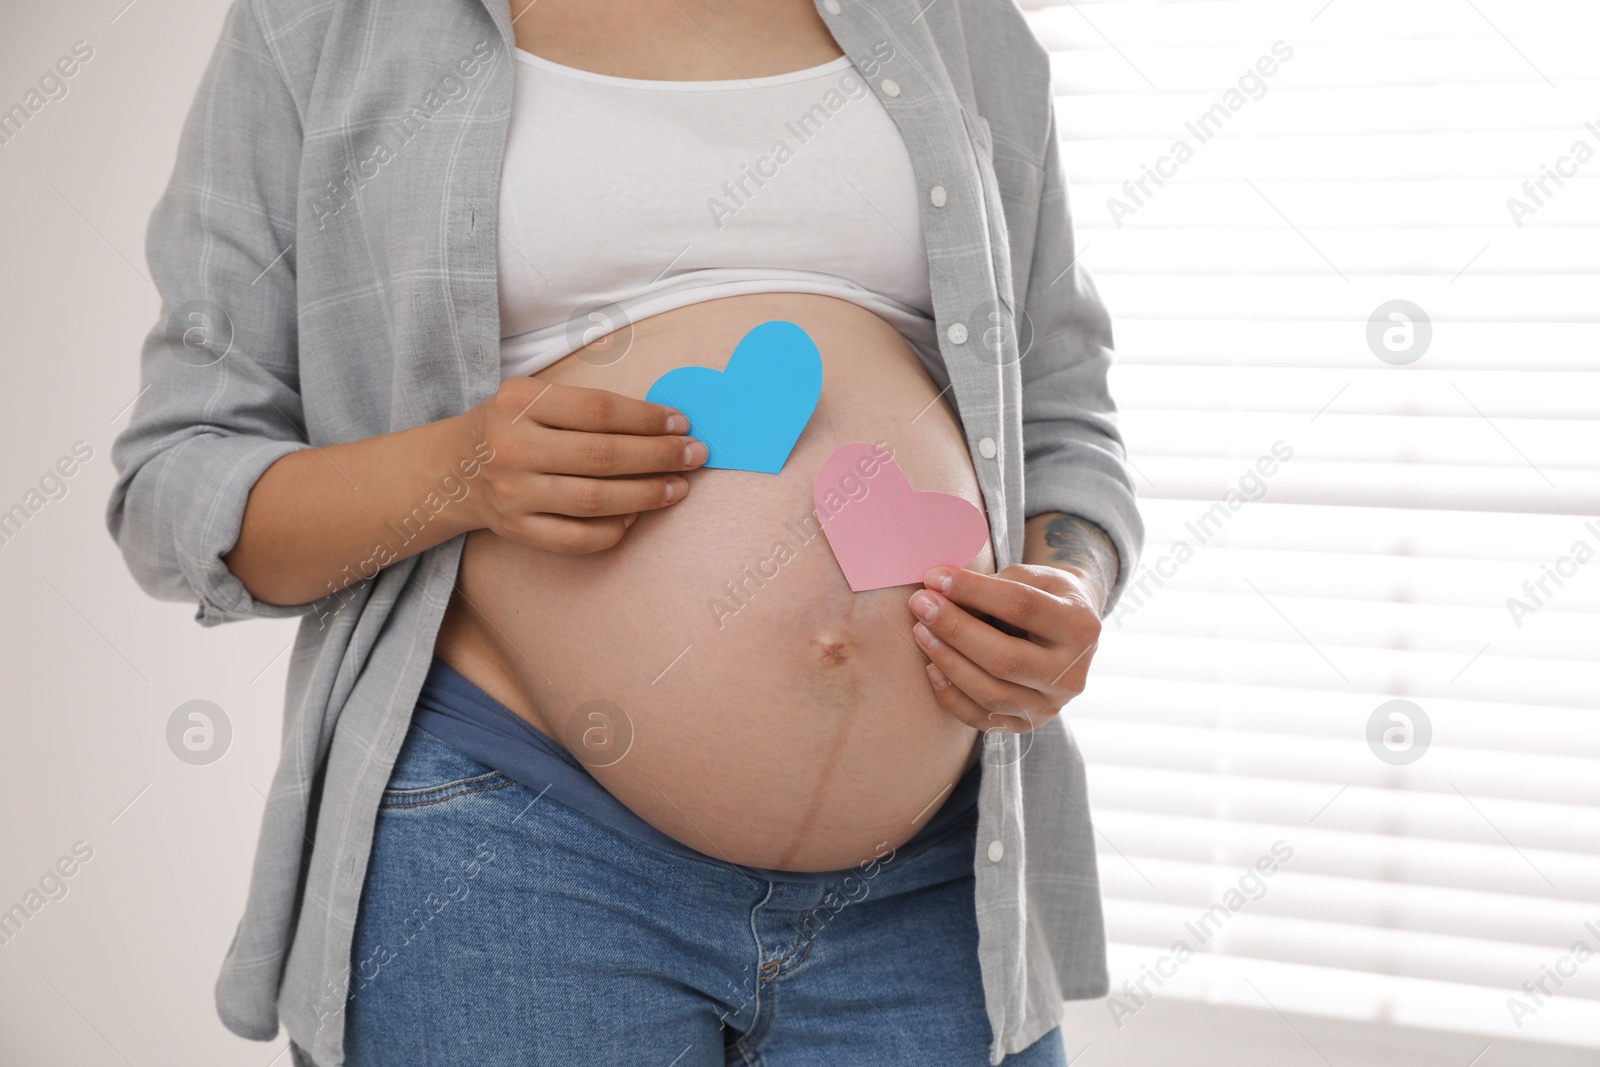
[(219, 397), (1074, 459)]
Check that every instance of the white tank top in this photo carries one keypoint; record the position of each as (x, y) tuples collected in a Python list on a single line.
[(621, 198)]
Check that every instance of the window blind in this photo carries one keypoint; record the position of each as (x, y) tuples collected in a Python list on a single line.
[(1343, 731)]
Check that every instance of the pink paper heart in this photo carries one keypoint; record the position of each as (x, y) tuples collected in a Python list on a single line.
[(881, 531)]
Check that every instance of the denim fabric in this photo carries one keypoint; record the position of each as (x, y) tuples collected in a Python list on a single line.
[(457, 712), (499, 927)]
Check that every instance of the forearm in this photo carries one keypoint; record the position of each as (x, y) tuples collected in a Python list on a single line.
[(1054, 539), (321, 519)]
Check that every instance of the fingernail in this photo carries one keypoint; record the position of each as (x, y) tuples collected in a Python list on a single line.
[(923, 605), (677, 423), (926, 638), (676, 487), (694, 453), (939, 580), (936, 676)]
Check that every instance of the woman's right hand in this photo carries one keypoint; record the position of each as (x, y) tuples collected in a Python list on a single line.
[(572, 467)]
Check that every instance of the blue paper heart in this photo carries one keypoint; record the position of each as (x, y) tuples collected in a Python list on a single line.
[(750, 414)]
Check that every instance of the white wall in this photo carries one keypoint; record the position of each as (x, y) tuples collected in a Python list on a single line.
[(119, 970)]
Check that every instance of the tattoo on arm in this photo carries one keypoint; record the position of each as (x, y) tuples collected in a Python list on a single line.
[(1083, 546)]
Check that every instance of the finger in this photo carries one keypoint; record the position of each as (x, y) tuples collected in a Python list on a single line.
[(577, 407), (594, 410), (1013, 659), (589, 497), (1074, 677), (601, 455), (1006, 705), (963, 707), (957, 703), (561, 533), (1022, 605)]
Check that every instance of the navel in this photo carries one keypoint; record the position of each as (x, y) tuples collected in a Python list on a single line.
[(833, 649)]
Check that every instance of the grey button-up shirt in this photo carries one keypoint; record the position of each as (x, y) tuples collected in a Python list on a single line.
[(325, 254)]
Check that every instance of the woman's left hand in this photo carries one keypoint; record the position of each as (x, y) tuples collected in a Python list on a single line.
[(991, 679)]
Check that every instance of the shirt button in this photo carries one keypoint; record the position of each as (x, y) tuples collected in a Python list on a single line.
[(996, 851), (958, 334), (832, 6), (936, 194), (986, 449), (890, 87)]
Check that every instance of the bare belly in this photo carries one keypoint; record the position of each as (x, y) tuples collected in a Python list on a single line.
[(738, 697)]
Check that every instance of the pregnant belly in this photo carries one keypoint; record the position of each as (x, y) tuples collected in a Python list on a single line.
[(714, 671)]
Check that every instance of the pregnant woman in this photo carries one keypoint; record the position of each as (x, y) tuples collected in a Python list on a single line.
[(592, 753)]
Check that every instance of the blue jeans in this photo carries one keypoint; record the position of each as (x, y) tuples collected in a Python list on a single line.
[(499, 928)]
